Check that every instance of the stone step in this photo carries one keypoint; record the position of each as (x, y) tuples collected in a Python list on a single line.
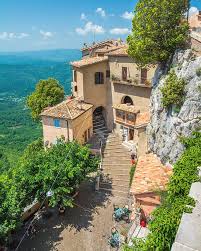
[(116, 164), (99, 127), (114, 181), (123, 176), (104, 132), (120, 185), (115, 191), (119, 153), (116, 159), (117, 174)]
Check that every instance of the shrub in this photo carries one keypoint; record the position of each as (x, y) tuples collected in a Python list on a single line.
[(132, 172), (198, 72), (173, 90)]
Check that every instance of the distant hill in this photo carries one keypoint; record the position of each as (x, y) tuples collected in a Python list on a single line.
[(20, 71)]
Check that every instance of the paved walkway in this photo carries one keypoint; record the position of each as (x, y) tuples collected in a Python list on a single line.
[(79, 229), (87, 226)]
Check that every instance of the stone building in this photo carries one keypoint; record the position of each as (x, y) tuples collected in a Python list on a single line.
[(118, 89), (70, 120)]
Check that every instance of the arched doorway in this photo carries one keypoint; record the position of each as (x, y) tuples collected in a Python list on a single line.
[(99, 121), (98, 111), (127, 100)]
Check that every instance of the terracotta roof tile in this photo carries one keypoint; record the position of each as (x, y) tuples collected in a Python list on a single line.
[(127, 108), (150, 175), (120, 52), (142, 119), (100, 44), (109, 49), (88, 61), (68, 109)]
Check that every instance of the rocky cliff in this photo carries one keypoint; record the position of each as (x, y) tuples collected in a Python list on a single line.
[(167, 127)]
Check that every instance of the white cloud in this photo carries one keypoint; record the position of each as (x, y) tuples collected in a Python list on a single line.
[(83, 17), (11, 35), (193, 10), (23, 35), (127, 15), (46, 34), (90, 28), (119, 31), (101, 12)]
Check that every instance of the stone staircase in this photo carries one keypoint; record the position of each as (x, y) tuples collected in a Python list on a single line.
[(115, 167), (99, 126)]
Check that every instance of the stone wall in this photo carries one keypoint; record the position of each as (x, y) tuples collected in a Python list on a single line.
[(166, 128)]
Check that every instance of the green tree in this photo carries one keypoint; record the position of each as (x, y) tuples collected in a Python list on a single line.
[(173, 90), (65, 165), (10, 209), (4, 163), (60, 168), (159, 28), (47, 93)]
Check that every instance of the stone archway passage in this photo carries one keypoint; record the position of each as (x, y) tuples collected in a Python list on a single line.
[(127, 100)]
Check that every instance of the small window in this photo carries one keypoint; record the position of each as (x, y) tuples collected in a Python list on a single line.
[(57, 123), (89, 133), (124, 73), (99, 78), (75, 88), (143, 75), (108, 74), (85, 136), (75, 76)]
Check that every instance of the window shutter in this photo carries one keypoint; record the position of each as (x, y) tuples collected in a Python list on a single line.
[(101, 78), (124, 73)]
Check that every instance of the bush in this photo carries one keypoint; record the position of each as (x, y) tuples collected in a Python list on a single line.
[(173, 91), (132, 172), (198, 72)]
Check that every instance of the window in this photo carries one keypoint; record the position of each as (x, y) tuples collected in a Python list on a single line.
[(124, 73), (57, 123), (99, 78), (89, 133), (108, 74), (130, 117), (120, 115), (127, 100), (75, 88), (143, 75), (85, 136), (75, 76)]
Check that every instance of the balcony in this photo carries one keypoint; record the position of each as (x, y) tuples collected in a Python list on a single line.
[(132, 81), (126, 114)]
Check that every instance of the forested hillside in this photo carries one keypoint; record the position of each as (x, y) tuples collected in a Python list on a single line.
[(19, 72)]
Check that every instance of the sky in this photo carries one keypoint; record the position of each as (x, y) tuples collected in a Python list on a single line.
[(51, 24)]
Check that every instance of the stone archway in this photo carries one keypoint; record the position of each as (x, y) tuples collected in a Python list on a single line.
[(127, 100)]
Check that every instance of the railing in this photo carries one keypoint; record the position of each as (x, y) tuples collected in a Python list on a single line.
[(132, 81)]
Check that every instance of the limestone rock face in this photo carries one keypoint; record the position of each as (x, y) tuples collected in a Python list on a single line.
[(167, 127)]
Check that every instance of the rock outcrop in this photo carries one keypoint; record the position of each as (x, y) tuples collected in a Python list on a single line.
[(167, 127)]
